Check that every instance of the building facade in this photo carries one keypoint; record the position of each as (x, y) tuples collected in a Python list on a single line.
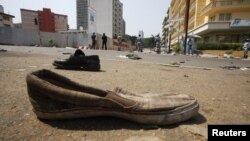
[(6, 20), (165, 29), (106, 16), (141, 33), (214, 20), (45, 20)]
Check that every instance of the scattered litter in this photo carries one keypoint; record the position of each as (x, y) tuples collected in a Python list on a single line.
[(209, 56), (83, 47), (133, 56), (3, 50), (182, 62), (231, 68), (228, 56), (186, 75), (175, 63), (237, 58), (244, 69), (66, 53), (248, 81), (69, 48), (123, 56), (173, 53)]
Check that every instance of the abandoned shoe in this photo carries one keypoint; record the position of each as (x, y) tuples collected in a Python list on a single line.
[(79, 61), (56, 97)]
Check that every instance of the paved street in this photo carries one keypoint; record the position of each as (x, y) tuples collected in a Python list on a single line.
[(147, 57)]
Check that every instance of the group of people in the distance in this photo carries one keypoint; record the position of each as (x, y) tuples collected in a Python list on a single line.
[(94, 41), (139, 44)]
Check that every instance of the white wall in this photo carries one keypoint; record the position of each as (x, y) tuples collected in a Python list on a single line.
[(104, 16)]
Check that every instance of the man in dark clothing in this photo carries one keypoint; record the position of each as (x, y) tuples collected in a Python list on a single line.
[(104, 41), (93, 40)]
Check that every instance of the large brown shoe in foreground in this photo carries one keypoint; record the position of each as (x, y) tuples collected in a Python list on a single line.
[(56, 97)]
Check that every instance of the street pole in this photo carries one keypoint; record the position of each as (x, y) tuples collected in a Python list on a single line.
[(169, 40), (186, 24)]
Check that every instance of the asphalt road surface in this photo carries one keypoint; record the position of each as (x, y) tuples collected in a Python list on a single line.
[(146, 57)]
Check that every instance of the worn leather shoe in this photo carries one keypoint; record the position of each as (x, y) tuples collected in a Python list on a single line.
[(56, 97), (79, 61)]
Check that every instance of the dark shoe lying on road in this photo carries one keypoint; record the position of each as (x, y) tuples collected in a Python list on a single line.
[(56, 97), (79, 61)]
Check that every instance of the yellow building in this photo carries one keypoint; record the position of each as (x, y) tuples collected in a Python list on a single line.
[(214, 20)]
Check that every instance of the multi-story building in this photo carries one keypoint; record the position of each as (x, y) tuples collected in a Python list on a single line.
[(6, 20), (107, 17), (214, 20), (45, 20), (165, 29)]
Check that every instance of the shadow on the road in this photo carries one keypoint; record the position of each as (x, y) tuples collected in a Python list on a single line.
[(112, 123)]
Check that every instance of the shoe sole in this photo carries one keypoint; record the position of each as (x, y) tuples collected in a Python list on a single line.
[(152, 118), (88, 67)]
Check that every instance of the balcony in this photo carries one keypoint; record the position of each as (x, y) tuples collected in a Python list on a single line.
[(226, 6), (211, 26)]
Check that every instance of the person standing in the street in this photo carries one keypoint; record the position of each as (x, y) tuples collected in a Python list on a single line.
[(190, 46), (104, 41), (93, 37), (246, 47)]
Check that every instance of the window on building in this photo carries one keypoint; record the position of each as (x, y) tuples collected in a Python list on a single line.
[(212, 18), (6, 25), (35, 21), (6, 18), (225, 17), (228, 16)]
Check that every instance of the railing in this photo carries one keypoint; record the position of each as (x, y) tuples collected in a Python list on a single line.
[(225, 3)]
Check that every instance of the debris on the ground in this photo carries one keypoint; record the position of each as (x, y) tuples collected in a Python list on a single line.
[(133, 56), (244, 69), (209, 56), (236, 68), (175, 63), (182, 62), (228, 56), (122, 56), (69, 48), (248, 81), (231, 68), (173, 53), (186, 75), (3, 50), (66, 53)]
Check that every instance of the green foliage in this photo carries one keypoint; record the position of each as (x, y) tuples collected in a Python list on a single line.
[(176, 48), (115, 36), (219, 46), (51, 43), (131, 38)]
